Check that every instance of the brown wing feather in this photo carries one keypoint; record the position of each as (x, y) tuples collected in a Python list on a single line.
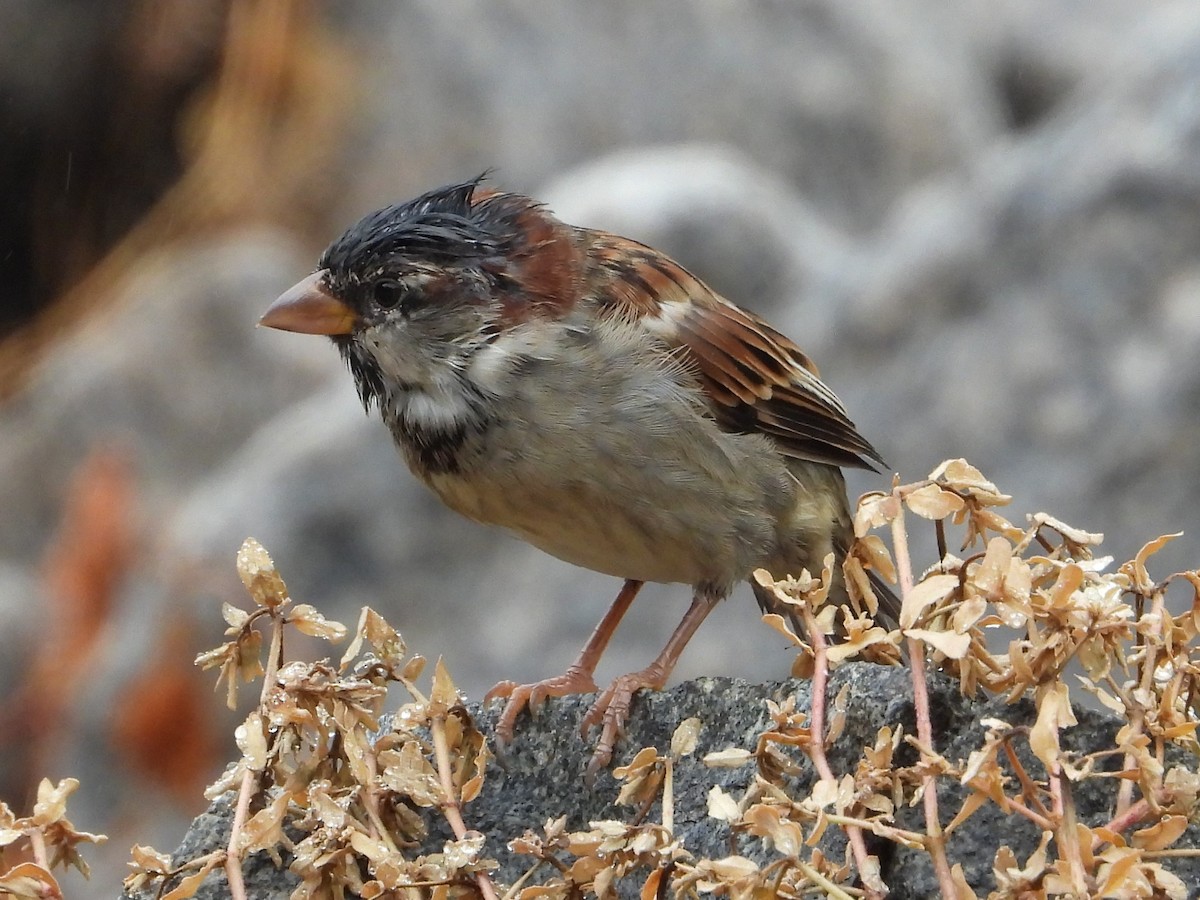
[(756, 379)]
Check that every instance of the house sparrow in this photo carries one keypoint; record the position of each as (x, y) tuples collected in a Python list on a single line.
[(594, 397)]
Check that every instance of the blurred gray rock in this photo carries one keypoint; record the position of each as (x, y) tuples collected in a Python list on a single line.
[(175, 371), (743, 229), (1040, 314), (850, 102)]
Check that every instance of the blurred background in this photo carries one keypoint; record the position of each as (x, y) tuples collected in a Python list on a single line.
[(982, 220)]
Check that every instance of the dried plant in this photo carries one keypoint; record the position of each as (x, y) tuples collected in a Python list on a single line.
[(349, 798), (47, 838), (1059, 605), (345, 797)]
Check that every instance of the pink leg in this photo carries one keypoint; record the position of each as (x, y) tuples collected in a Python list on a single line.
[(612, 707), (576, 680)]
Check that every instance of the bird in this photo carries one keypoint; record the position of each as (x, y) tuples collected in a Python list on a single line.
[(592, 396)]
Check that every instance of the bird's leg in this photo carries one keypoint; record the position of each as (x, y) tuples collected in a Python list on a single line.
[(612, 707), (576, 680)]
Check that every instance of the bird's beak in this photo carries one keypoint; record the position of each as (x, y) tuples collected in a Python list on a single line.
[(309, 308)]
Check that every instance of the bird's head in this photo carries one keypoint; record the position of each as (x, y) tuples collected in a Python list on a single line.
[(410, 292)]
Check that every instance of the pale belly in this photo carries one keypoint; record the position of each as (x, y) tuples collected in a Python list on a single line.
[(662, 518), (602, 536)]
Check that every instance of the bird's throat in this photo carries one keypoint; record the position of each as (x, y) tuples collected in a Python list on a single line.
[(440, 431)]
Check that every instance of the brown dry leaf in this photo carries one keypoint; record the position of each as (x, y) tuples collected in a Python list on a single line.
[(981, 520), (1117, 875), (412, 669), (769, 822), (239, 660), (731, 758), (971, 805), (1062, 593), (874, 552), (948, 643), (51, 804), (1160, 835), (190, 884), (683, 741), (989, 574), (147, 859), (410, 774), (234, 616), (733, 867), (251, 738), (1054, 713), (257, 571), (932, 501), (961, 886), (50, 818), (1136, 569), (388, 643), (1012, 878), (653, 884), (969, 612), (644, 760), (857, 636), (932, 590), (643, 775), (778, 623), (875, 510), (308, 620), (29, 881), (964, 478), (722, 806), (858, 586), (265, 829), (444, 694), (1075, 536)]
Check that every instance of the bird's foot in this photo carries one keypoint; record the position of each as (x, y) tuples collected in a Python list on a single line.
[(574, 681), (611, 709)]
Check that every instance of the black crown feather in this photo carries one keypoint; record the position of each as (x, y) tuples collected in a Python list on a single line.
[(444, 225)]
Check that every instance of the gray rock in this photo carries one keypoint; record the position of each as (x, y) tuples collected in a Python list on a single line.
[(542, 779)]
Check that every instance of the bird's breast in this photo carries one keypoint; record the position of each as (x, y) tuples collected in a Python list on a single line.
[(598, 450)]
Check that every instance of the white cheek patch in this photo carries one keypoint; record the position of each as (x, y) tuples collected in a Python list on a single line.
[(435, 411), (491, 367)]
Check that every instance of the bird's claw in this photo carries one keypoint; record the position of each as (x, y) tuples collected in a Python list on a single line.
[(610, 712), (574, 681)]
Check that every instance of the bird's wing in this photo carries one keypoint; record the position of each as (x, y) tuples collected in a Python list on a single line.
[(755, 379)]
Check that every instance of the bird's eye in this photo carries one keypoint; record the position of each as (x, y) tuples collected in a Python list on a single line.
[(388, 294)]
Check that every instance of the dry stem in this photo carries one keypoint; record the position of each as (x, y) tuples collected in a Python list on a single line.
[(233, 856), (452, 808), (817, 742), (1137, 716), (936, 842)]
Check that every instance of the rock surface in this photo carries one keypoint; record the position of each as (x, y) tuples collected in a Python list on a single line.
[(542, 779)]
